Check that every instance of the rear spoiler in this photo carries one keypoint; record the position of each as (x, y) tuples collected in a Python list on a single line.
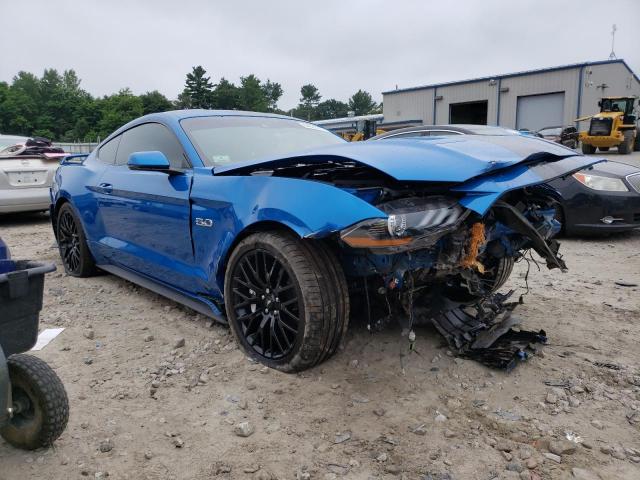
[(77, 159)]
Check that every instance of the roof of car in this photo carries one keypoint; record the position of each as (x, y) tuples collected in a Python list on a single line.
[(465, 128), (182, 114), (175, 116)]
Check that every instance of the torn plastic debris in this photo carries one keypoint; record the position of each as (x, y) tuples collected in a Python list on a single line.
[(484, 332)]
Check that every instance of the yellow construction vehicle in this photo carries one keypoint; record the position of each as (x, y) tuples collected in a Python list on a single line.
[(364, 130), (615, 126)]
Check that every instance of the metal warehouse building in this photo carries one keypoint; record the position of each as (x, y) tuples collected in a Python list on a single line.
[(533, 99)]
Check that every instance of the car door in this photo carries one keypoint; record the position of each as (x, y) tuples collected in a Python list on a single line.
[(146, 214)]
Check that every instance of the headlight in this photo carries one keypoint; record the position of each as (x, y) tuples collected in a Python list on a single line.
[(596, 182), (409, 220), (372, 233)]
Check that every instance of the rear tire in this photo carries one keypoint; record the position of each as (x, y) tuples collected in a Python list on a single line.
[(636, 145), (72, 244), (626, 146), (286, 300), (43, 406), (588, 149)]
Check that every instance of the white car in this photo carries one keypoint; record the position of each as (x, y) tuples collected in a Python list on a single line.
[(25, 175)]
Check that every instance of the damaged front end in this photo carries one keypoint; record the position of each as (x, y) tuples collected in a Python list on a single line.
[(450, 218), (433, 260)]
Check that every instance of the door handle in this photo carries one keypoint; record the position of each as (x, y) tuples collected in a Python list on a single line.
[(106, 188)]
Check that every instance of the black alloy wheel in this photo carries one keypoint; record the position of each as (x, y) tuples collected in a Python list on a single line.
[(286, 300), (69, 241), (72, 244), (266, 303)]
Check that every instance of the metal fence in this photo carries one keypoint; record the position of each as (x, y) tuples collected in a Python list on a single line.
[(72, 147)]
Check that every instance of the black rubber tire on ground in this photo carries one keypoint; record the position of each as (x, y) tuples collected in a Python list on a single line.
[(626, 146), (80, 262), (588, 149), (604, 149), (45, 411), (321, 291), (636, 145), (499, 275), (560, 217)]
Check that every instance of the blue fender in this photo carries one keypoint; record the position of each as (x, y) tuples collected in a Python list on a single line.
[(234, 203)]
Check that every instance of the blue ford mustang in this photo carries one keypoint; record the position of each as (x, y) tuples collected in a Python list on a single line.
[(280, 228)]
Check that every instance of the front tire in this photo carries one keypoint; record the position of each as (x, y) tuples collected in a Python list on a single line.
[(40, 403), (588, 149), (498, 273), (626, 146), (286, 300), (72, 244)]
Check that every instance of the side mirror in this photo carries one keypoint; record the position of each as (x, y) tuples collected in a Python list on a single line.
[(153, 160)]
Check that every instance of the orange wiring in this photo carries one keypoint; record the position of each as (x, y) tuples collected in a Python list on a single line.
[(476, 239)]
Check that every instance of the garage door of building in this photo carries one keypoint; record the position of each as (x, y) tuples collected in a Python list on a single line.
[(538, 111)]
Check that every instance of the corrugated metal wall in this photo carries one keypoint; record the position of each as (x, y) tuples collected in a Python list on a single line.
[(74, 147), (548, 82), (469, 92), (418, 104), (414, 105)]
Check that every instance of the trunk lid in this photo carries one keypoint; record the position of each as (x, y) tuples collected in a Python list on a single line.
[(27, 171)]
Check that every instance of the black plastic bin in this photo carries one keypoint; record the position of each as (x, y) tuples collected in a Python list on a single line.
[(21, 288)]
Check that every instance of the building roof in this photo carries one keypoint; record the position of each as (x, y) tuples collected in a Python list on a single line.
[(511, 75)]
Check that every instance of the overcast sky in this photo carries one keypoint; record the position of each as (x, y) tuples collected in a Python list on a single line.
[(340, 46)]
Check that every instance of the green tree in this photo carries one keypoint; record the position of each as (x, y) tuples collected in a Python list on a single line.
[(154, 101), (309, 99), (198, 89), (251, 94), (361, 103), (226, 95), (331, 109), (272, 92), (118, 109)]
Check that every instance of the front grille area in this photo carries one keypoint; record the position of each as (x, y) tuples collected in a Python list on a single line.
[(634, 180), (600, 126)]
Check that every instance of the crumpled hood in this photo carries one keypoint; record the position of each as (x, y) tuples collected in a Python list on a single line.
[(437, 159)]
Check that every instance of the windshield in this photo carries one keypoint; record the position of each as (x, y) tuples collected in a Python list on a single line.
[(225, 140), (551, 131), (615, 105)]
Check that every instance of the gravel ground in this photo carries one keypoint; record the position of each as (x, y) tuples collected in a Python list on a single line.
[(158, 392)]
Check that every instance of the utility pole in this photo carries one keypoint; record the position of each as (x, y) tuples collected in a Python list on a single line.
[(612, 55)]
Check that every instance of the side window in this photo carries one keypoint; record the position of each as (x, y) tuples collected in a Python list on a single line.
[(107, 152), (151, 136), (441, 133), (408, 135)]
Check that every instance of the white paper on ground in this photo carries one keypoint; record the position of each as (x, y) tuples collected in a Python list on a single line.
[(45, 337)]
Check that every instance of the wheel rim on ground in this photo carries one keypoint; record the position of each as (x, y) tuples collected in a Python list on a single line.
[(266, 304), (69, 241), (24, 408)]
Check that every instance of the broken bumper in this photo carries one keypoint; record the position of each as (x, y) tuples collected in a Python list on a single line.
[(487, 332)]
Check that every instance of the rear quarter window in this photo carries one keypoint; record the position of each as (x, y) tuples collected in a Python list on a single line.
[(107, 152)]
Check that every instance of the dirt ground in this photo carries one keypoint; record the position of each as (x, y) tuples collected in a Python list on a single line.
[(144, 407)]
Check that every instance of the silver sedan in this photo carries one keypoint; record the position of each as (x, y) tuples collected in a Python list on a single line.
[(24, 179)]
